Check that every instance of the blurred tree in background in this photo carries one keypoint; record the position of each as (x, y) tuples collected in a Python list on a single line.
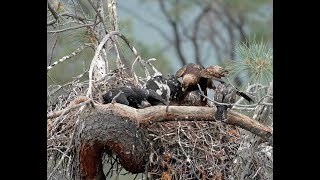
[(203, 32)]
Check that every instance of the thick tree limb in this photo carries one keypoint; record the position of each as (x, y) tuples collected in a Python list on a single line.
[(155, 114), (122, 130)]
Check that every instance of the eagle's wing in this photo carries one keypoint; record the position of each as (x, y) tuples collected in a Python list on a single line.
[(219, 93), (219, 96), (109, 96), (214, 71), (153, 95), (122, 99), (230, 96), (181, 71), (196, 66)]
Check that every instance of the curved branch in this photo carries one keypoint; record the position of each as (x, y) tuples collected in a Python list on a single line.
[(122, 130), (155, 114), (99, 48)]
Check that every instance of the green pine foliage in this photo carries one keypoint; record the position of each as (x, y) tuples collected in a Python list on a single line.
[(254, 63)]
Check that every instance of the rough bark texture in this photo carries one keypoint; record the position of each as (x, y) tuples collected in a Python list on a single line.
[(102, 129), (121, 130)]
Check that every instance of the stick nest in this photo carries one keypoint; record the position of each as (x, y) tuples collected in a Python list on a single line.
[(178, 150), (192, 150)]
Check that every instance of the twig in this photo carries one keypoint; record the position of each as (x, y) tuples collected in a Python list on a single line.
[(235, 104), (75, 17), (77, 51), (55, 15), (97, 52), (256, 173), (153, 68), (71, 28), (67, 110), (99, 15), (95, 57), (116, 96), (54, 45), (118, 60), (66, 152), (49, 23), (113, 14), (69, 83), (51, 79)]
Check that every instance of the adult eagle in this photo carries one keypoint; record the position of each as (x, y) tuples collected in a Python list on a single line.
[(194, 74)]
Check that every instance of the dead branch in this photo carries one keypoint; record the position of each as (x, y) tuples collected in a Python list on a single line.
[(155, 114), (121, 129), (74, 104), (53, 12)]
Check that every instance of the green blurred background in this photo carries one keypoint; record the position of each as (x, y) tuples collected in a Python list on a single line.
[(148, 27)]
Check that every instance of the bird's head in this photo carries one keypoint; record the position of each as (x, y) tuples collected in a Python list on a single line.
[(188, 80)]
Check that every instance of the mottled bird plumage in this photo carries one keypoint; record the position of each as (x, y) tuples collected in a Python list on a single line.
[(166, 87), (132, 96), (214, 71), (190, 74), (193, 74), (226, 93)]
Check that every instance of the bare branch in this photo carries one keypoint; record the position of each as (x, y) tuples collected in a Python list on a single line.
[(99, 15), (154, 114), (53, 12), (75, 17), (74, 105), (49, 23), (97, 53), (54, 45), (77, 51), (71, 28), (113, 16), (175, 29)]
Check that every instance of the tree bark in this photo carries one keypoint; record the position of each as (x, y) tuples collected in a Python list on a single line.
[(122, 130)]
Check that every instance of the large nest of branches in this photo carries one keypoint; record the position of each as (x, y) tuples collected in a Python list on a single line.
[(178, 150), (192, 150)]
